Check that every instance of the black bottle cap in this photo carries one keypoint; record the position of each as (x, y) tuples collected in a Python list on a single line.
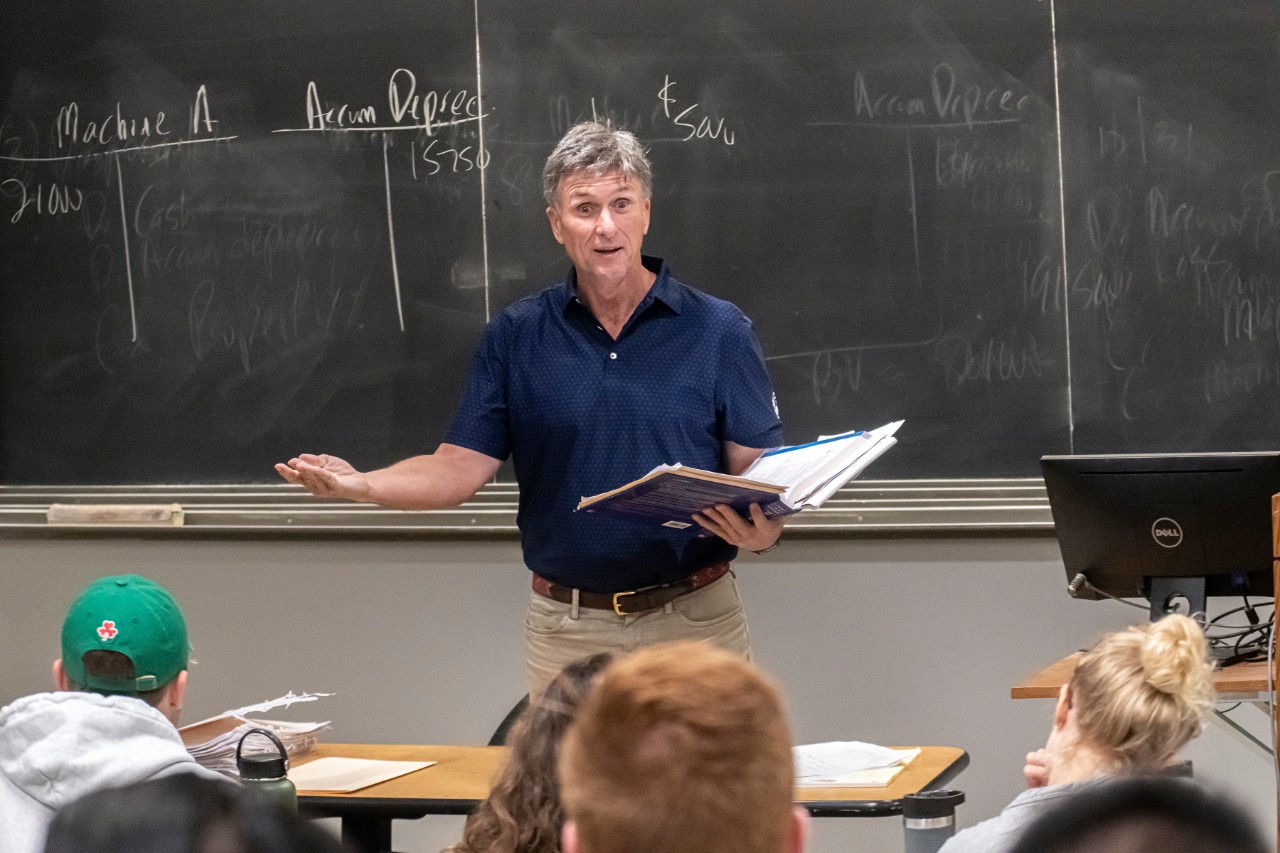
[(262, 766), (928, 804)]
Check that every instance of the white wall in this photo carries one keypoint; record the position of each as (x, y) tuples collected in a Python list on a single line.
[(891, 641)]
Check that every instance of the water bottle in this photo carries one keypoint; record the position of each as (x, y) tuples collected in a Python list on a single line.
[(929, 819), (267, 774)]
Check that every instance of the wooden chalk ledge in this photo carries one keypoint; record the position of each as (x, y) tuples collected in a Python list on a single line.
[(147, 515)]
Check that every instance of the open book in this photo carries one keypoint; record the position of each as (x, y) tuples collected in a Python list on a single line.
[(782, 481)]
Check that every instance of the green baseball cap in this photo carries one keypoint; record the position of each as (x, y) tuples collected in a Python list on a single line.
[(131, 615)]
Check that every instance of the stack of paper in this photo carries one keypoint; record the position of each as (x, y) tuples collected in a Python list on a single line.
[(813, 472), (213, 742), (849, 764), (782, 481)]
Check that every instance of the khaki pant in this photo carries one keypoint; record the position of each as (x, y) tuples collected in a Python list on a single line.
[(557, 634)]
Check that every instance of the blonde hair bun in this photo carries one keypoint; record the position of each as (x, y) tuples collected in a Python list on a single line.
[(1175, 659)]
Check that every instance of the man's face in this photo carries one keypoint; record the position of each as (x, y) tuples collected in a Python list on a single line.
[(601, 221)]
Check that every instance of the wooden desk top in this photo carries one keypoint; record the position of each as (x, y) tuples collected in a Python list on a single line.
[(462, 775), (1240, 680), (934, 763)]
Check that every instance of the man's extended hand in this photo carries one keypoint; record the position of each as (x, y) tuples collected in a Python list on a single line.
[(325, 476), (753, 534)]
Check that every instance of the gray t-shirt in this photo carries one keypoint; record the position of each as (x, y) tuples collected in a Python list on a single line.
[(1001, 832)]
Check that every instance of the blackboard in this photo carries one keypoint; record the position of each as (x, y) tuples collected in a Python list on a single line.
[(232, 232)]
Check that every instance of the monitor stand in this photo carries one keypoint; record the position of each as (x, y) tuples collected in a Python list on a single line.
[(1165, 590)]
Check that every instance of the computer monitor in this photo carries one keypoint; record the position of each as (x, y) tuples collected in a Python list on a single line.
[(1164, 526)]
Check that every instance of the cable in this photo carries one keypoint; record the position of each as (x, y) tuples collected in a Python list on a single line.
[(1249, 639), (1246, 642), (1080, 581)]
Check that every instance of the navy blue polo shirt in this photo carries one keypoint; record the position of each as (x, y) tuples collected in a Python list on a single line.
[(581, 413)]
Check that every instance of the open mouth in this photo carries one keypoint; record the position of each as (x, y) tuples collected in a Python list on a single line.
[(612, 251)]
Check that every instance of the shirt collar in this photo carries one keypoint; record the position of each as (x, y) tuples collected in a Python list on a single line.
[(664, 288)]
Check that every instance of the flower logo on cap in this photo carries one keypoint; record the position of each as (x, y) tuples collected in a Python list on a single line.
[(108, 630)]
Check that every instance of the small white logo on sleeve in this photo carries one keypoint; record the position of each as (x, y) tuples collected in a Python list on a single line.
[(1166, 532), (776, 413)]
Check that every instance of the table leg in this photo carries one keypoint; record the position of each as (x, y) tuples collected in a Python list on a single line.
[(367, 834)]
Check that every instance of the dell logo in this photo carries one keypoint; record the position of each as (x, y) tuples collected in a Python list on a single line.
[(1166, 532)]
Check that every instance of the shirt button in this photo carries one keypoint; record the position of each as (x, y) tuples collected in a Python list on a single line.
[(613, 355)]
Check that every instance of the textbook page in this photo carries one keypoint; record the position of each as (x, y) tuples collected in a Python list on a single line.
[(820, 497), (807, 468)]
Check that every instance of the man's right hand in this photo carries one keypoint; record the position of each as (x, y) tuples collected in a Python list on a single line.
[(325, 476)]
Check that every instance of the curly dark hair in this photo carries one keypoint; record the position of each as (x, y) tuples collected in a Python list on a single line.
[(523, 812)]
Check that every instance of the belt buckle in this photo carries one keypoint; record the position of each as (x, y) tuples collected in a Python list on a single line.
[(617, 607)]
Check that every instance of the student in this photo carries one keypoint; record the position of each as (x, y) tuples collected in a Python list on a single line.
[(182, 814), (1140, 815), (120, 684), (523, 812), (682, 748), (1134, 700), (587, 385)]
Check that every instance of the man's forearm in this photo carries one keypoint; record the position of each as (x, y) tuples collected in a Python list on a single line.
[(439, 480)]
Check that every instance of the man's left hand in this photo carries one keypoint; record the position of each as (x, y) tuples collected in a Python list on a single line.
[(754, 534)]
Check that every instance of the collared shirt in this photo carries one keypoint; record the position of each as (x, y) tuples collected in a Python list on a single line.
[(581, 413)]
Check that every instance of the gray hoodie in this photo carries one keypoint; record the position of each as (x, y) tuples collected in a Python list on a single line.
[(54, 747)]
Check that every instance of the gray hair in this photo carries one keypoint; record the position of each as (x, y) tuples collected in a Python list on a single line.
[(597, 148)]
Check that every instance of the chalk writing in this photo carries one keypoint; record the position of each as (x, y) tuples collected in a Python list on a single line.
[(1100, 283), (1167, 218), (1222, 379), (989, 360), (433, 109), (51, 199), (959, 163), (835, 374), (173, 216), (689, 120), (427, 112), (321, 117), (202, 119), (518, 172), (114, 127), (1042, 284), (94, 214), (436, 158), (948, 100), (250, 319)]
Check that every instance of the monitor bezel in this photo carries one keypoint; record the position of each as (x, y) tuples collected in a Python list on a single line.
[(1064, 477)]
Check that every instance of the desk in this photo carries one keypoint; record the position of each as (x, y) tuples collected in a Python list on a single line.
[(1240, 682), (460, 780)]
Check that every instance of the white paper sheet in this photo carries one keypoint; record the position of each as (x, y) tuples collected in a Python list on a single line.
[(847, 762), (337, 775)]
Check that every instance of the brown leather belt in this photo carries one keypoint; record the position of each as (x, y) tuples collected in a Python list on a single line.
[(636, 600)]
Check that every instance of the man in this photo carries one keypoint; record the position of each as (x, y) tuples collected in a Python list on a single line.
[(681, 748), (120, 683), (588, 385)]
